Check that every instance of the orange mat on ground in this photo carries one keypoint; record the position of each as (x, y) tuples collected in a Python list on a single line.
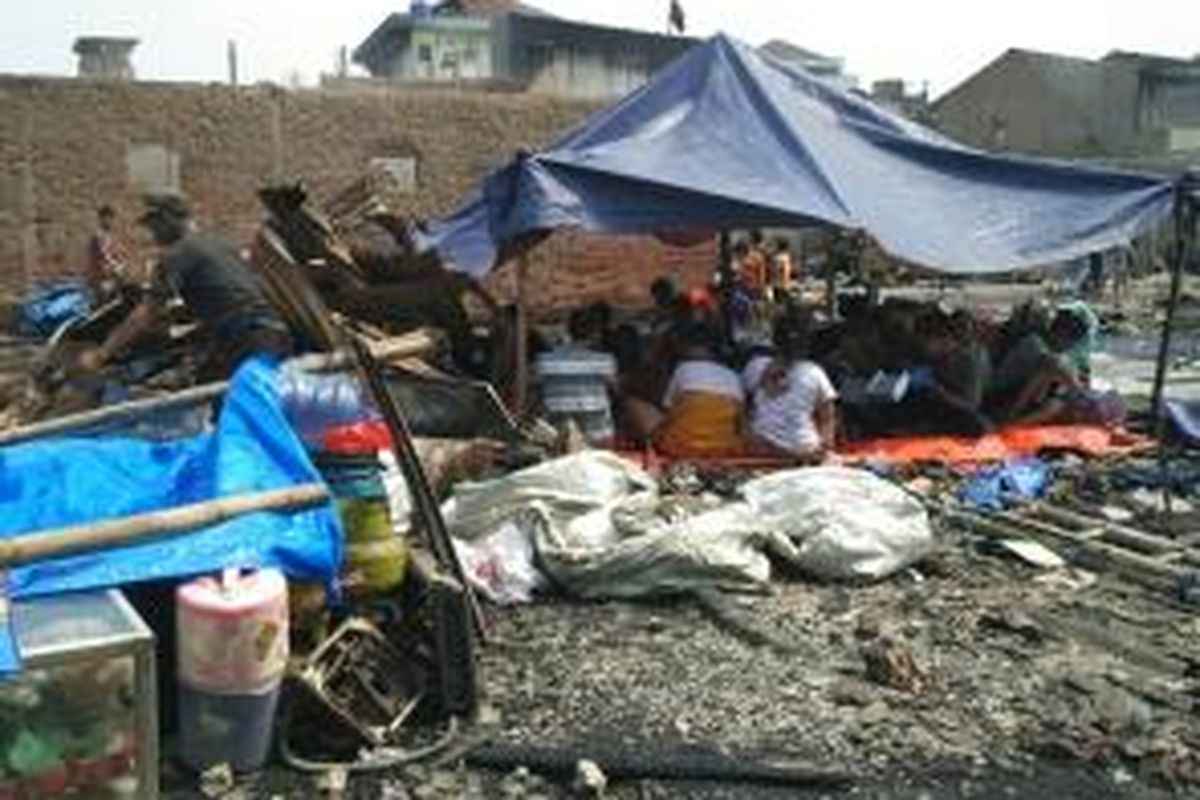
[(1088, 440)]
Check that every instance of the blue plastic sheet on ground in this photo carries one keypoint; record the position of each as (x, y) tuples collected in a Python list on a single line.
[(54, 483), (49, 306), (994, 488), (1185, 421)]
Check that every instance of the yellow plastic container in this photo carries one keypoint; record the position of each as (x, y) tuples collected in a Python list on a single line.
[(376, 558)]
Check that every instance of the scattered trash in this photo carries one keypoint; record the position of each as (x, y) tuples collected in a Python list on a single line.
[(1152, 500), (501, 564), (1012, 621), (590, 781), (1117, 514), (1032, 553), (51, 306), (217, 781), (333, 783), (998, 487), (889, 662), (589, 525)]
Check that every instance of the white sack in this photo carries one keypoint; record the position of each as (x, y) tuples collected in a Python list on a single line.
[(723, 548), (846, 524), (566, 487), (599, 529)]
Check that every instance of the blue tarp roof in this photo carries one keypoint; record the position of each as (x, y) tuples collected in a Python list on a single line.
[(726, 137)]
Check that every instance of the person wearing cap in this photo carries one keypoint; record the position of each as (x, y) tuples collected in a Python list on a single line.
[(215, 284)]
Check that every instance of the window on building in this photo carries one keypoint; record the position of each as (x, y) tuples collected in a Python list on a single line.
[(1183, 140), (424, 53), (400, 170), (153, 168), (539, 57)]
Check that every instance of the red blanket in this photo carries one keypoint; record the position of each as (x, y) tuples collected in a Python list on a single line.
[(1088, 440)]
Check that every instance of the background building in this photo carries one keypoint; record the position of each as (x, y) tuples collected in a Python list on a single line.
[(1125, 106), (508, 42), (106, 57)]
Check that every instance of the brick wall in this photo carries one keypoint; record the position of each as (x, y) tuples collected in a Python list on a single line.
[(572, 268), (64, 146)]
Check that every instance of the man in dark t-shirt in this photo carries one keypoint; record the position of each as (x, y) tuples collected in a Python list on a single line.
[(215, 284)]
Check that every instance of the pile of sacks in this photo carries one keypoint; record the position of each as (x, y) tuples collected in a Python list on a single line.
[(595, 526)]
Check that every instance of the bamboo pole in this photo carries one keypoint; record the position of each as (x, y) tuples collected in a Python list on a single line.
[(412, 345), (520, 399), (1185, 239), (428, 511), (1184, 236), (1138, 568), (143, 528), (121, 412), (1117, 534)]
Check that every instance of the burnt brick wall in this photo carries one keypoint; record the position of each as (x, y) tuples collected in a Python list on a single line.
[(573, 267), (64, 146)]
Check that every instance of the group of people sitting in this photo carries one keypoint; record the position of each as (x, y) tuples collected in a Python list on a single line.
[(690, 389)]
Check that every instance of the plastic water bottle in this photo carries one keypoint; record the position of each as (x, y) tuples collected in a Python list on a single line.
[(315, 402)]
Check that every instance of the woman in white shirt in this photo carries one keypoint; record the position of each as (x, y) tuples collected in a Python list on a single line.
[(793, 410), (702, 410)]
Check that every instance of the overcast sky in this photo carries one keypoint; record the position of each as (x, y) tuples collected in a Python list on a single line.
[(935, 41)]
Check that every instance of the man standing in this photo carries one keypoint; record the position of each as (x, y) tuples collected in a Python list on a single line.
[(105, 261), (216, 286)]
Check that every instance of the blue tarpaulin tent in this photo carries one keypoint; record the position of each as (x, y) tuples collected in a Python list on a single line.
[(727, 137)]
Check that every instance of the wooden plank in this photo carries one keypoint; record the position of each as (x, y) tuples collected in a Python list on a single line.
[(1138, 568), (1118, 534)]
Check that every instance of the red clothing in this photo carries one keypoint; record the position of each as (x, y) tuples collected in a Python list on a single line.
[(104, 261)]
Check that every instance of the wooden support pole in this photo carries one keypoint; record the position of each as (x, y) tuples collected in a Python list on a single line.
[(30, 250), (520, 397), (1185, 238), (428, 511), (1185, 224), (142, 528)]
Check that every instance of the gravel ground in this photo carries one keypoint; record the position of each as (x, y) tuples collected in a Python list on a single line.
[(992, 665), (973, 676)]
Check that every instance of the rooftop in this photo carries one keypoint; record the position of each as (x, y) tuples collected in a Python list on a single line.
[(93, 43), (487, 8)]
